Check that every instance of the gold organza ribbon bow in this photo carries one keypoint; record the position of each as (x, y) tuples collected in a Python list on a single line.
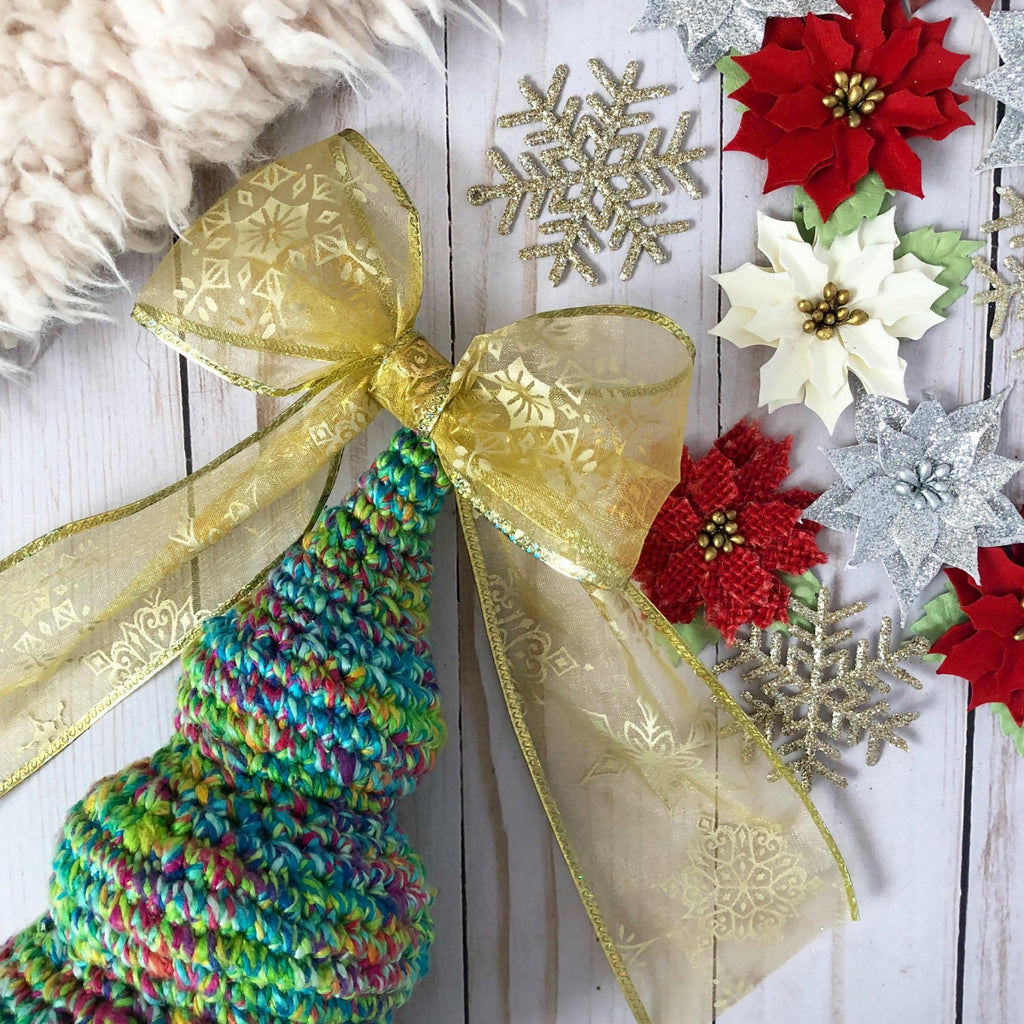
[(564, 431)]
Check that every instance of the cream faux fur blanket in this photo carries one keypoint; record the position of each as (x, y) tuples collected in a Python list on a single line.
[(105, 106)]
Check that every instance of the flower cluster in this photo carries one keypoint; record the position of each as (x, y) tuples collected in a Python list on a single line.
[(830, 99), (726, 532)]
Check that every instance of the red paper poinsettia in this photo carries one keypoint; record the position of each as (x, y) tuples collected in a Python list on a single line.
[(988, 649), (830, 99), (726, 532)]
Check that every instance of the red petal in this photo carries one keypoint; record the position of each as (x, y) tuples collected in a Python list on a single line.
[(741, 441), (1015, 705), (889, 59), (761, 476), (835, 182), (952, 116), (933, 68), (801, 552), (714, 485), (758, 100), (1001, 615), (735, 587), (865, 27), (896, 163), (785, 32), (767, 527), (966, 589), (949, 641), (800, 154), (827, 47), (755, 135), (1000, 573), (904, 109), (676, 590), (800, 109), (774, 607), (972, 657), (774, 70)]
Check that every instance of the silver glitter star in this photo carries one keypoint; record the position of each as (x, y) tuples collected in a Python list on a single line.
[(1006, 84), (709, 29), (922, 489)]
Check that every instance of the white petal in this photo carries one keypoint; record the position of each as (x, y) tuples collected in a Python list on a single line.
[(874, 357), (904, 302), (784, 375), (828, 389), (772, 233), (734, 327), (809, 274), (880, 230), (783, 320), (865, 273), (755, 287), (829, 407)]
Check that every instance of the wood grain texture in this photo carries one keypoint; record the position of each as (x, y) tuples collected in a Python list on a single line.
[(110, 415)]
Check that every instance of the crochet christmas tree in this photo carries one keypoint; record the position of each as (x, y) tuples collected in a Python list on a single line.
[(252, 871)]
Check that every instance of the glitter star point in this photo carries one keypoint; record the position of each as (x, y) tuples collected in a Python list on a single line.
[(593, 176), (811, 696), (1006, 84), (922, 489), (710, 29)]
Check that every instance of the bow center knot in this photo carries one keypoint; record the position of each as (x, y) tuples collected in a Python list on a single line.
[(413, 382)]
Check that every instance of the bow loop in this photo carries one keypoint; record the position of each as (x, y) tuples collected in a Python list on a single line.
[(310, 262), (564, 430)]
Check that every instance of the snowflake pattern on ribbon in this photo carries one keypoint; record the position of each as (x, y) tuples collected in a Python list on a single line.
[(595, 175)]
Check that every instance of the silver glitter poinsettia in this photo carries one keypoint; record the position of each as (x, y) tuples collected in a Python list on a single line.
[(709, 29), (1006, 84), (922, 489)]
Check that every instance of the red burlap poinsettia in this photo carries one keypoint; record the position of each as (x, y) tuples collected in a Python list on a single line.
[(828, 149), (731, 492), (985, 650)]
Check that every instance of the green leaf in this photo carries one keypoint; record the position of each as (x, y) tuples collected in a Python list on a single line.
[(869, 199), (1008, 726), (805, 589), (697, 634), (733, 76), (946, 249), (939, 616)]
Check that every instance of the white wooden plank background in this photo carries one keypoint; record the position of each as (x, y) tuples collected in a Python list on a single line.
[(932, 837)]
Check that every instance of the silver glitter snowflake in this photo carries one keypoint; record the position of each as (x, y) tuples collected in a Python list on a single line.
[(811, 697), (709, 29), (595, 175), (922, 489), (1006, 84)]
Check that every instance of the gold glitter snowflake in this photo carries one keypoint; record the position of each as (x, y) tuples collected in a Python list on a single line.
[(1002, 294), (595, 175), (812, 698)]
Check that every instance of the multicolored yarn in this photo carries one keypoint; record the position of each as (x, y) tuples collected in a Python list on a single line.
[(252, 871)]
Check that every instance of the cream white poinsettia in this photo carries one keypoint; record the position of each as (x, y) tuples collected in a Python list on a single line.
[(829, 313)]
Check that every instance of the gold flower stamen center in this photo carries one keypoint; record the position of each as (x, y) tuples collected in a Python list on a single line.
[(830, 311), (854, 97), (720, 534)]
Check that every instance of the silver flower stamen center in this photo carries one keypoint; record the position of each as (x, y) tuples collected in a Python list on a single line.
[(927, 484), (720, 534)]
